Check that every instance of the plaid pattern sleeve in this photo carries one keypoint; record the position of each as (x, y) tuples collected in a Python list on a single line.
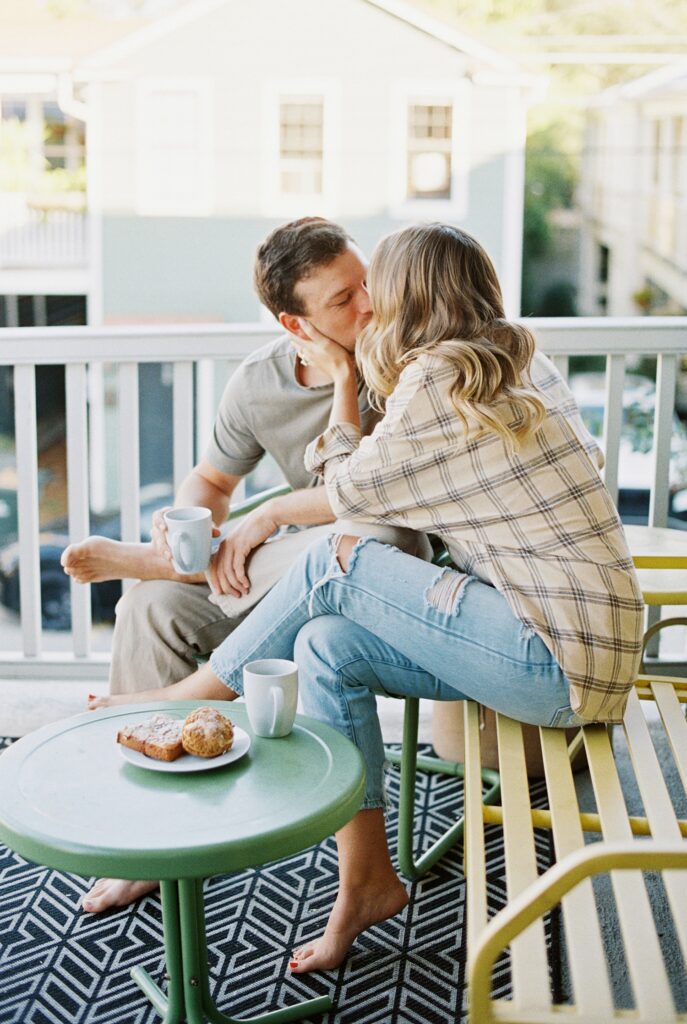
[(337, 443), (537, 524)]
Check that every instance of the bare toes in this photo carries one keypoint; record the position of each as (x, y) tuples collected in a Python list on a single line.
[(109, 893), (96, 890), (314, 961), (93, 703), (302, 952)]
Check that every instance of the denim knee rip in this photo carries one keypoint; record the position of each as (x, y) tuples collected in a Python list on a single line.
[(446, 592), (335, 568)]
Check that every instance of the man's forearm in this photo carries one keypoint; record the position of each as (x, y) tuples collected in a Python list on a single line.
[(197, 490), (309, 507)]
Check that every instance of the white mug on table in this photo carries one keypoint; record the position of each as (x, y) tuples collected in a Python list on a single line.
[(270, 689)]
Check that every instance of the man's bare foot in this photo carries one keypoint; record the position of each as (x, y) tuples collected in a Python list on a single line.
[(114, 892), (99, 558), (352, 913)]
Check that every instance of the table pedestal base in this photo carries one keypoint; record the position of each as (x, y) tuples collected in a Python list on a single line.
[(186, 954)]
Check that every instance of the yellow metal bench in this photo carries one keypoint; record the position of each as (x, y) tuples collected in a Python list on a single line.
[(626, 846)]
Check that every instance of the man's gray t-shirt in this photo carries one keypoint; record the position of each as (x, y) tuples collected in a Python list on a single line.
[(265, 409)]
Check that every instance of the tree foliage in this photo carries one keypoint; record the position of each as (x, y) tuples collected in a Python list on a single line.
[(541, 19)]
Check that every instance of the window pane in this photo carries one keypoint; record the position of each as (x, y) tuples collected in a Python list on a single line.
[(429, 121), (301, 177), (301, 140), (13, 108), (66, 309), (301, 129), (54, 124), (429, 175), (26, 317)]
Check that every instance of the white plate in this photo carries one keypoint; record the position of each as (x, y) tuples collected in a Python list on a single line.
[(187, 762)]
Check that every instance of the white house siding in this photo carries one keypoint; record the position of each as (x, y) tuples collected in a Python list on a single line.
[(196, 262)]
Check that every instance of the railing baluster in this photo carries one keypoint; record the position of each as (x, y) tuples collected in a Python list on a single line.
[(96, 437), (666, 374), (183, 422), (613, 421), (205, 402), (129, 474), (27, 508), (76, 388)]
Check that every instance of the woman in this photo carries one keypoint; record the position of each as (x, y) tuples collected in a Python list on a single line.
[(481, 444)]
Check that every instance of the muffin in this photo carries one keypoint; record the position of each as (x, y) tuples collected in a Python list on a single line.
[(207, 733)]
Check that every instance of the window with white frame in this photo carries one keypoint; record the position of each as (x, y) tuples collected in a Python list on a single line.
[(430, 143), (53, 139), (301, 145), (174, 148)]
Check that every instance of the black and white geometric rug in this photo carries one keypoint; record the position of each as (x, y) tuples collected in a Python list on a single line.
[(60, 966)]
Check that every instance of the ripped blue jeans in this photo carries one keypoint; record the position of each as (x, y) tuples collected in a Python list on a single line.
[(394, 624)]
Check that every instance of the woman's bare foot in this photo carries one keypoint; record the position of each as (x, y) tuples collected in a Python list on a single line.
[(352, 913), (98, 558), (114, 892), (111, 700)]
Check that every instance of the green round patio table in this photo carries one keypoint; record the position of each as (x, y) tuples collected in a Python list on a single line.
[(70, 801)]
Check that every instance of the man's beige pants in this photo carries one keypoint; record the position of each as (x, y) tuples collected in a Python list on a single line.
[(163, 628)]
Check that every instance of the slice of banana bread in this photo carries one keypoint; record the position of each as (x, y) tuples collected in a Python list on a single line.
[(158, 737)]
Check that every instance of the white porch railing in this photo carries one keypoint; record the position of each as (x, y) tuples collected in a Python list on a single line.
[(31, 238), (193, 413)]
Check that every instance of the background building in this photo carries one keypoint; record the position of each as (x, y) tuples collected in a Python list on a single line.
[(141, 163), (44, 226), (222, 120), (633, 198)]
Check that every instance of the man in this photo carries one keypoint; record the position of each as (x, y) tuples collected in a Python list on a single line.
[(274, 402)]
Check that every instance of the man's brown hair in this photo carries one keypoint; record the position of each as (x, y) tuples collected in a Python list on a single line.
[(289, 254)]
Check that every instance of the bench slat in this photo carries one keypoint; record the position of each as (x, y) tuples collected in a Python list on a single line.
[(528, 952), (475, 857), (586, 954), (674, 723), (658, 806), (642, 950)]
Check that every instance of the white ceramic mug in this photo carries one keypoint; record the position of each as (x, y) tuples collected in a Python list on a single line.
[(189, 537), (270, 689)]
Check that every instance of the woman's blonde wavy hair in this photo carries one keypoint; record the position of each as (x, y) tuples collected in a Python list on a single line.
[(434, 289)]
